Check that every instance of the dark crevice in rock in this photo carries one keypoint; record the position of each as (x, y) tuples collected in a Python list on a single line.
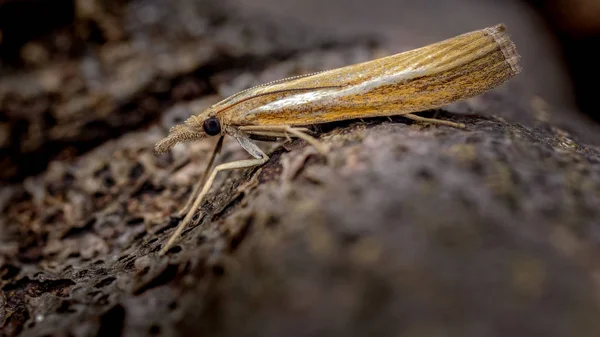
[(166, 275), (104, 282), (36, 288), (112, 322)]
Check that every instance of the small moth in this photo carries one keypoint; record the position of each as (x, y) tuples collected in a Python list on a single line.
[(421, 79)]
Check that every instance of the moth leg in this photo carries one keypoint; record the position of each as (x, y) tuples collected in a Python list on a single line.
[(287, 130), (186, 208), (309, 139), (253, 149), (434, 121)]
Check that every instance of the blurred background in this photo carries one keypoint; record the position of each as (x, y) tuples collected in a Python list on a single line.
[(75, 73)]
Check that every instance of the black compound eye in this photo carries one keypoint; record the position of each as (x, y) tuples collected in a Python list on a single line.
[(212, 126)]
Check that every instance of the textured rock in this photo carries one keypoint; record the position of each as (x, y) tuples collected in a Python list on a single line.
[(403, 229)]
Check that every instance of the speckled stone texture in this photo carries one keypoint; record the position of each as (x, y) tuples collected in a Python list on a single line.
[(424, 231)]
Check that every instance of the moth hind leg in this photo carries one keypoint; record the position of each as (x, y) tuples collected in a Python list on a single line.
[(434, 121), (301, 133)]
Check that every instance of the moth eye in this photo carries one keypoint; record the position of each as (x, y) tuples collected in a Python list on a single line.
[(212, 126)]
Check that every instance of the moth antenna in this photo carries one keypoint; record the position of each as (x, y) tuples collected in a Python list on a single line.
[(177, 134)]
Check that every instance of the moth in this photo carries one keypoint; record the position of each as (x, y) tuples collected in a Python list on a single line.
[(403, 84)]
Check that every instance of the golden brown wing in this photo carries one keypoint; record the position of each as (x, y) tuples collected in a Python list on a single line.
[(420, 79)]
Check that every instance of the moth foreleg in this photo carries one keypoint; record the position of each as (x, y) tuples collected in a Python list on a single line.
[(253, 149), (186, 208)]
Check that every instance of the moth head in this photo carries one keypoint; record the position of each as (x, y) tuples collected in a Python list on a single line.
[(196, 127)]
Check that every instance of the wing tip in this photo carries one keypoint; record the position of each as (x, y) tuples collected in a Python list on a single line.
[(507, 46)]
